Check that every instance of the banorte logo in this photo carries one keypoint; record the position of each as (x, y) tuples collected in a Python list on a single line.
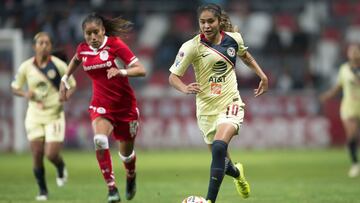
[(97, 66)]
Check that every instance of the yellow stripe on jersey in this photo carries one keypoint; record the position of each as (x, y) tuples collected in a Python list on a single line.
[(214, 71)]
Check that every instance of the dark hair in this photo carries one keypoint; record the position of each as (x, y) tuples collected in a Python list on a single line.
[(225, 23), (113, 27)]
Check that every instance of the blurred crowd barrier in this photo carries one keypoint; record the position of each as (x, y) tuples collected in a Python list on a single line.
[(168, 121)]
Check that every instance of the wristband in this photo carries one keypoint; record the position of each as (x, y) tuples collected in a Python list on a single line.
[(64, 79), (123, 72)]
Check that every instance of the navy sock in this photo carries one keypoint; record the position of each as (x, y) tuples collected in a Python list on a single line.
[(352, 146), (60, 165), (40, 178), (217, 170), (230, 169)]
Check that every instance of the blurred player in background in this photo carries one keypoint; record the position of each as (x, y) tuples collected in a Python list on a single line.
[(44, 122), (220, 110), (349, 83), (113, 109)]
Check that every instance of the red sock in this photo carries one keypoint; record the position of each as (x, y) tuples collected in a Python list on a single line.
[(104, 159), (129, 164)]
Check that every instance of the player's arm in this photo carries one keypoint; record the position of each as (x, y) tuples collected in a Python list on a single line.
[(332, 92), (135, 69), (18, 83), (21, 93), (251, 63), (64, 85), (178, 84)]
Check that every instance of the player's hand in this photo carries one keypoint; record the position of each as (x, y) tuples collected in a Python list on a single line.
[(192, 88), (112, 72), (63, 92), (262, 88), (30, 95)]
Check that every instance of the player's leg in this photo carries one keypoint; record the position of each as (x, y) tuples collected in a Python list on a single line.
[(102, 129), (36, 136), (230, 168), (52, 152), (128, 157), (351, 126), (223, 135), (126, 133), (55, 134), (37, 150)]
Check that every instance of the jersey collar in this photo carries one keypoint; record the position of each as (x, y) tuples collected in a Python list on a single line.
[(203, 38)]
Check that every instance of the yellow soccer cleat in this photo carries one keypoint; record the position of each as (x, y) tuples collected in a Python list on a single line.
[(209, 201), (242, 186)]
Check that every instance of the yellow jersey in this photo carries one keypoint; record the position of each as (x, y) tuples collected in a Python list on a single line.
[(45, 91), (350, 83), (214, 67)]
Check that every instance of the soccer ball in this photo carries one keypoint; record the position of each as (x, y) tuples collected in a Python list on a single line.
[(194, 199)]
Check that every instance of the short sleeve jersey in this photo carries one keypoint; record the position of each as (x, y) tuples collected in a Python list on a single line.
[(214, 67), (350, 84), (45, 92), (113, 95)]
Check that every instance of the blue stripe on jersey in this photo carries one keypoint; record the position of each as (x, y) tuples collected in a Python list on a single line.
[(228, 47)]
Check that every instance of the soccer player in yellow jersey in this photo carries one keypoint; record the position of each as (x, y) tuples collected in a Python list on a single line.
[(44, 122), (349, 82), (220, 110)]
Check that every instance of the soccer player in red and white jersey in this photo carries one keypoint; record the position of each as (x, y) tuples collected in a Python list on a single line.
[(109, 62)]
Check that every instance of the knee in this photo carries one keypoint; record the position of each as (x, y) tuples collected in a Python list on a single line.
[(101, 142)]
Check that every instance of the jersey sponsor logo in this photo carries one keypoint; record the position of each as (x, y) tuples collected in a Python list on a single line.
[(219, 67), (104, 55), (179, 58), (231, 51), (215, 88), (98, 66), (217, 79)]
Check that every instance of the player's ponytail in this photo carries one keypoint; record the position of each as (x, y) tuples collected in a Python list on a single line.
[(113, 27), (225, 23)]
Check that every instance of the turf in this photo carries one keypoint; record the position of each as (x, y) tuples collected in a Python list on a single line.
[(170, 176)]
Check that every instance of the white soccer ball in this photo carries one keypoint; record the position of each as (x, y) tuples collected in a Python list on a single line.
[(194, 199)]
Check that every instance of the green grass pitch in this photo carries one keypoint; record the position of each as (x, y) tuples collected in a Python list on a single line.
[(170, 176)]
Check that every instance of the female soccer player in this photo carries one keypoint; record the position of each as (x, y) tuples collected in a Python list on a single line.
[(220, 110), (109, 62), (44, 122), (349, 82)]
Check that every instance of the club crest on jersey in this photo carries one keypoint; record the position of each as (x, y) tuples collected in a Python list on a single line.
[(104, 55), (231, 51), (51, 74)]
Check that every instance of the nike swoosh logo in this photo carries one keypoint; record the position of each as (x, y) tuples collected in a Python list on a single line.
[(204, 55)]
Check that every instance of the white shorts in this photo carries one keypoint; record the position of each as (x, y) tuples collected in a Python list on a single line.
[(208, 123), (53, 131)]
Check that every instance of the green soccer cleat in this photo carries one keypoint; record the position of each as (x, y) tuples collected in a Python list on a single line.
[(209, 201), (242, 186)]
